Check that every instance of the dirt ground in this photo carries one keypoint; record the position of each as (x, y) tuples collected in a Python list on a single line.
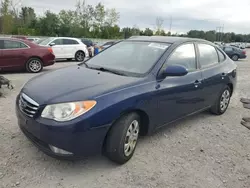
[(204, 151)]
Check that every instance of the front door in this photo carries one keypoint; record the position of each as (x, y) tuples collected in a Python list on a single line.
[(183, 95), (13, 54)]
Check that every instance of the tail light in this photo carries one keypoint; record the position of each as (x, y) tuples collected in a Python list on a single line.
[(50, 50), (244, 52)]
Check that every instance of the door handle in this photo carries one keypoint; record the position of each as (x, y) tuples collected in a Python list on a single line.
[(223, 75), (197, 83)]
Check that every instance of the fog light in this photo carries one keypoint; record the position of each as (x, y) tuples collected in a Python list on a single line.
[(59, 151)]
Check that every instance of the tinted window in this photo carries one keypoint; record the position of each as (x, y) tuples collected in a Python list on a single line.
[(221, 56), (1, 44), (88, 43), (8, 44), (58, 42), (184, 55), (208, 55), (131, 57), (69, 42), (228, 49), (45, 41)]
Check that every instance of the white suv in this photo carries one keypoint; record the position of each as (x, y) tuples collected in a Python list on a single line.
[(67, 48)]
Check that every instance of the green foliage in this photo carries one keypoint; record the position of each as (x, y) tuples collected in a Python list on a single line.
[(88, 21)]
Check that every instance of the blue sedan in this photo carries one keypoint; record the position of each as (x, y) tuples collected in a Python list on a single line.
[(130, 89)]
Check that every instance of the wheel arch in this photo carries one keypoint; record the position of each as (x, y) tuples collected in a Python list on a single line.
[(230, 85), (144, 130)]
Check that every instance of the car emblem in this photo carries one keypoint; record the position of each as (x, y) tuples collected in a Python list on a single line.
[(23, 104)]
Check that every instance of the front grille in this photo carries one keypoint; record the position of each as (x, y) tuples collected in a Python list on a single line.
[(27, 105)]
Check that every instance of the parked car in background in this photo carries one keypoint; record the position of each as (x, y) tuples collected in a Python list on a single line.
[(67, 48), (234, 53), (17, 54), (106, 44), (19, 37), (90, 45), (132, 88), (33, 39)]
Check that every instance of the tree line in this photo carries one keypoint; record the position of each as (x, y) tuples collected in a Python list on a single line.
[(88, 21)]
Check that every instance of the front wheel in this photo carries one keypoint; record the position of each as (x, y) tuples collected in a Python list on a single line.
[(222, 102), (80, 56), (34, 65), (122, 138)]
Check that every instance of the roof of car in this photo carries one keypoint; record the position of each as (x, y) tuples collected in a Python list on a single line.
[(167, 39)]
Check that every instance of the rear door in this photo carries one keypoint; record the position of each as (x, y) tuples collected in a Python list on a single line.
[(70, 47), (228, 50), (13, 53), (213, 71)]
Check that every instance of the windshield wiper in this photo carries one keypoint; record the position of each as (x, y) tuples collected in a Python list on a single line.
[(108, 70)]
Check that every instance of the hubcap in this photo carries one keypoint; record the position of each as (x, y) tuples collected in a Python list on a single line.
[(80, 56), (225, 98), (35, 65), (131, 138), (235, 57)]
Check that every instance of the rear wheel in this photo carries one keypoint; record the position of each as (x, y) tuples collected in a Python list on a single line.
[(122, 138), (34, 65), (235, 57), (222, 102), (80, 56)]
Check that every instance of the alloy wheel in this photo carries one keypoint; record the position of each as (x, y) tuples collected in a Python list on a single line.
[(80, 56), (131, 138), (35, 65), (225, 98)]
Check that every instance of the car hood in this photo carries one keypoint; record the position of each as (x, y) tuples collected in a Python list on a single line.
[(74, 84)]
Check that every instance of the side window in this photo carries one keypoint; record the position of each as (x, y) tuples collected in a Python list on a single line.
[(221, 56), (8, 44), (208, 55), (69, 42), (1, 44), (184, 55), (58, 42), (228, 49)]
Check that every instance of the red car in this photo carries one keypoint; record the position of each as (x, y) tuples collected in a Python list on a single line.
[(17, 54)]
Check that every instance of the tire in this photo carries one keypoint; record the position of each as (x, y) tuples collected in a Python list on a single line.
[(235, 57), (34, 65), (79, 56), (219, 108), (118, 138)]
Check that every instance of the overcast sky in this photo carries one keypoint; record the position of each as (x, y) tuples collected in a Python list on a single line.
[(186, 14)]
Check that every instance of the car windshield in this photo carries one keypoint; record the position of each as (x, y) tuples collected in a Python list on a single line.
[(40, 40), (46, 41), (130, 56)]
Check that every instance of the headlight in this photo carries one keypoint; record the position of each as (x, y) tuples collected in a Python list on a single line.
[(67, 111)]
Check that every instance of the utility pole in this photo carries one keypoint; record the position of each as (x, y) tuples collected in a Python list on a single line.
[(170, 24)]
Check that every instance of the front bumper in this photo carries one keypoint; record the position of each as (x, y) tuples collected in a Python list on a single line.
[(71, 138)]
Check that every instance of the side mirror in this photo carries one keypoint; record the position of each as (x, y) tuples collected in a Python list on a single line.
[(52, 44), (175, 70)]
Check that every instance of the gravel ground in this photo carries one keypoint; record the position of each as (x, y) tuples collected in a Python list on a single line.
[(203, 151)]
